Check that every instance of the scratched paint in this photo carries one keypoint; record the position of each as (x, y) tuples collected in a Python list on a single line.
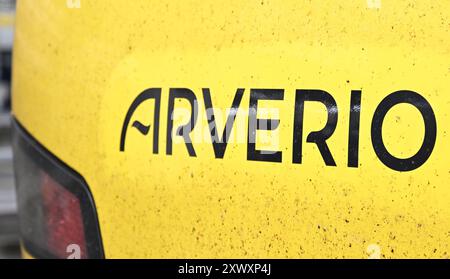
[(76, 75)]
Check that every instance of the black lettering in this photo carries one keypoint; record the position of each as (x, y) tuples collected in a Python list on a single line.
[(152, 93), (353, 135), (319, 137), (220, 145), (415, 99), (255, 124), (184, 130)]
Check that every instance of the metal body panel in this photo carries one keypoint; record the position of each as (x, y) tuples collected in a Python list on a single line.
[(77, 71)]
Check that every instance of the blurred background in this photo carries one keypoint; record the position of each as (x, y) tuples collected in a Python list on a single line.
[(9, 235)]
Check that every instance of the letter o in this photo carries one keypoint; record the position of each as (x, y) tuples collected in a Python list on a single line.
[(415, 99)]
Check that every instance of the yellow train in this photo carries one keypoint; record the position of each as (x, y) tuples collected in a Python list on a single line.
[(232, 129)]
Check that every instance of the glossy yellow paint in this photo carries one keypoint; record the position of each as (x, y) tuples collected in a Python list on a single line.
[(76, 72)]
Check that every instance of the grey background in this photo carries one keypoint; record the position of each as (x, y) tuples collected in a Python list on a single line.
[(9, 236)]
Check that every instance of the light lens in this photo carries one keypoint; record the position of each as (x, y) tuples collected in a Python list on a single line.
[(64, 222), (56, 210)]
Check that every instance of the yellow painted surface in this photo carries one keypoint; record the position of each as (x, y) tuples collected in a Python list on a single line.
[(76, 72), (25, 254)]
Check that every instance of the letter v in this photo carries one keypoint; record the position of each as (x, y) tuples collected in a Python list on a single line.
[(221, 144)]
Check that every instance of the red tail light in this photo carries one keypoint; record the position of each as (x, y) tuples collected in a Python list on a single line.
[(62, 217), (56, 210)]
